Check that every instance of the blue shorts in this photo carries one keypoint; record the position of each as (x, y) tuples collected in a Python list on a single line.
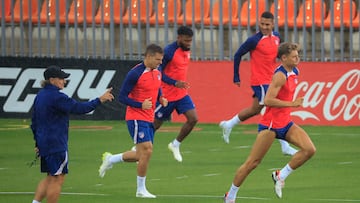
[(259, 92), (181, 106), (280, 132), (141, 131), (55, 164)]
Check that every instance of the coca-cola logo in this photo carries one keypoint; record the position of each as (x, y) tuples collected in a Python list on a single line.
[(338, 99)]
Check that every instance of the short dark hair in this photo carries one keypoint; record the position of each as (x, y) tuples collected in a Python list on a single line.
[(183, 30), (267, 14), (286, 48), (152, 49)]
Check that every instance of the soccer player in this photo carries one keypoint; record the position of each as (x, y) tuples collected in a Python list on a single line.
[(277, 123), (263, 51), (174, 72), (140, 91), (50, 125)]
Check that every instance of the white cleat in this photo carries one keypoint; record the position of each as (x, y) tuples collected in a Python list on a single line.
[(175, 151), (227, 200), (226, 131), (145, 194), (105, 164), (289, 151), (279, 184)]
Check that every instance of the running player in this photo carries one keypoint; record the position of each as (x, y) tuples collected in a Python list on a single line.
[(263, 53), (277, 123)]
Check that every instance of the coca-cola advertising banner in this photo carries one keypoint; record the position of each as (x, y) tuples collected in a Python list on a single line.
[(331, 92)]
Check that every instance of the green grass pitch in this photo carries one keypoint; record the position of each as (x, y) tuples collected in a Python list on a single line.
[(205, 174)]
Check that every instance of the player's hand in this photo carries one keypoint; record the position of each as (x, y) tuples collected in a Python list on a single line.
[(298, 102), (163, 101), (147, 104), (107, 96), (36, 151), (182, 84), (237, 84)]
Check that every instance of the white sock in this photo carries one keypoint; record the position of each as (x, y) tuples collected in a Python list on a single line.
[(233, 192), (176, 143), (141, 183), (35, 201), (285, 172), (233, 121), (286, 148), (116, 158), (284, 144)]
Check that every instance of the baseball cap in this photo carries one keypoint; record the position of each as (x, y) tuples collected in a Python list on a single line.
[(55, 72)]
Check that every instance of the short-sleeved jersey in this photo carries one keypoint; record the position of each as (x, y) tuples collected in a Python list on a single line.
[(174, 67), (140, 83), (279, 117), (263, 54)]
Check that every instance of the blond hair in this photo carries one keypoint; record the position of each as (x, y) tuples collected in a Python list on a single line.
[(286, 48)]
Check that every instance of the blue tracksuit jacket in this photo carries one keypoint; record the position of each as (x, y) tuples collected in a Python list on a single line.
[(50, 118)]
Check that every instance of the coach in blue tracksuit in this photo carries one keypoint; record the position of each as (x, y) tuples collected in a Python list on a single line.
[(50, 126)]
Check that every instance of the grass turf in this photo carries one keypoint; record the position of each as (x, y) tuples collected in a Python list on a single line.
[(204, 175)]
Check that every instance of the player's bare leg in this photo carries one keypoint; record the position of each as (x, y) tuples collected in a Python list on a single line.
[(299, 138), (142, 155), (157, 124), (54, 187), (260, 147), (251, 111), (243, 115), (191, 120), (41, 190)]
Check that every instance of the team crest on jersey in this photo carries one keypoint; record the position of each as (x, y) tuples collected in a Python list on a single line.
[(159, 77), (141, 135), (159, 114)]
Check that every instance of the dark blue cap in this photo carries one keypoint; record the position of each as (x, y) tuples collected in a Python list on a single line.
[(55, 72)]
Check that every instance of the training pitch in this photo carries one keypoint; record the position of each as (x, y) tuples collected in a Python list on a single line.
[(205, 174)]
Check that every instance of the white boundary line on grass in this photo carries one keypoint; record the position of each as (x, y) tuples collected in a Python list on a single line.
[(188, 196), (63, 193), (337, 200), (211, 196), (97, 194)]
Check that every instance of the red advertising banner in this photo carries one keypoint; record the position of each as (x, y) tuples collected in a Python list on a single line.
[(331, 92)]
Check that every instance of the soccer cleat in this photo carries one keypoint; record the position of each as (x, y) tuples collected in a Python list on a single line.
[(289, 151), (105, 164), (226, 200), (279, 184), (175, 151), (144, 194), (226, 131)]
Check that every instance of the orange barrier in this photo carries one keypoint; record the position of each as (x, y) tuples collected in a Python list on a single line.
[(331, 92)]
